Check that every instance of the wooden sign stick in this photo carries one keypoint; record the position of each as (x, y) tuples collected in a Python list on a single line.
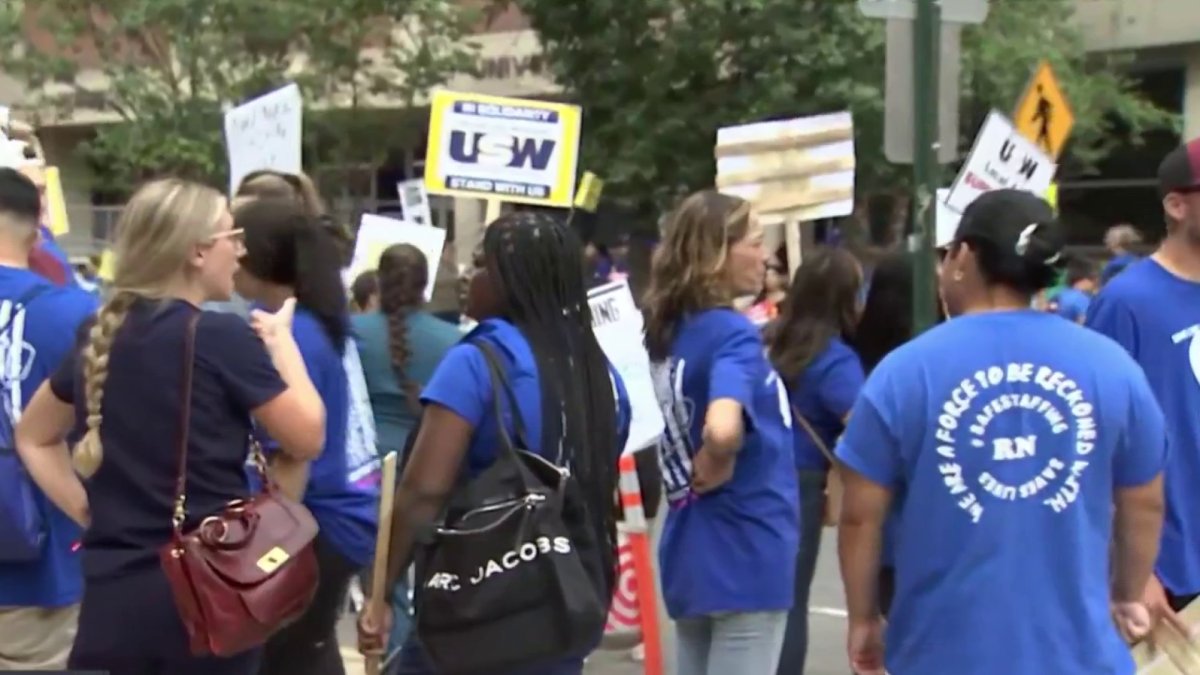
[(792, 239), (492, 212), (383, 541)]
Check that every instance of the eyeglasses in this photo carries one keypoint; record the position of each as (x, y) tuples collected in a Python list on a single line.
[(237, 235)]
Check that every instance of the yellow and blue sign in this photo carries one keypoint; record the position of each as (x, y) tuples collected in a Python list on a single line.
[(510, 149)]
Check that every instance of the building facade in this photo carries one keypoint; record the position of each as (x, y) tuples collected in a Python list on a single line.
[(1163, 37)]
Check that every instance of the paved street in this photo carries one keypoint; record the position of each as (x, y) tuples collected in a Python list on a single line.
[(826, 654)]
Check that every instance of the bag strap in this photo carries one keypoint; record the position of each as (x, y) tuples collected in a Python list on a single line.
[(185, 421), (23, 300), (502, 388), (812, 434)]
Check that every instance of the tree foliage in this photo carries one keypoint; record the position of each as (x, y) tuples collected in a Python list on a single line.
[(168, 68), (658, 77)]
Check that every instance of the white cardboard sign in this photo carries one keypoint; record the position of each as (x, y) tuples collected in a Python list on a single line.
[(1001, 158), (801, 168), (265, 134), (376, 233), (947, 220), (414, 201), (617, 323)]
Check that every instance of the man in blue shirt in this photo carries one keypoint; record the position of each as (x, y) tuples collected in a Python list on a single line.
[(1153, 310), (39, 596)]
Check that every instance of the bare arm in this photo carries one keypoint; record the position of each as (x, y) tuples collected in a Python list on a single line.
[(724, 428), (865, 506), (1137, 527), (41, 443), (429, 478)]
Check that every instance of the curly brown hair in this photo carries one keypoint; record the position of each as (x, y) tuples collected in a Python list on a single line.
[(403, 275), (688, 273)]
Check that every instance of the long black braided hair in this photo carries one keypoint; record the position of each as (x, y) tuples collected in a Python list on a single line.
[(539, 265)]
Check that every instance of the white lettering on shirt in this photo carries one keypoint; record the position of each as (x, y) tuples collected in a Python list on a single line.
[(965, 425)]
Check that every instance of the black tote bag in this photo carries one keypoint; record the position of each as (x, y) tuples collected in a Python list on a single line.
[(500, 581)]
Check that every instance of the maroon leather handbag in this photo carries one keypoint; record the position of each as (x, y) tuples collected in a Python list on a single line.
[(243, 572)]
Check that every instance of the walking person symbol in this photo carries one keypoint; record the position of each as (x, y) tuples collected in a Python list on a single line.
[(1042, 115)]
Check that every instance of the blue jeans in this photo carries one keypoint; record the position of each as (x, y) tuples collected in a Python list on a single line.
[(812, 509), (730, 643)]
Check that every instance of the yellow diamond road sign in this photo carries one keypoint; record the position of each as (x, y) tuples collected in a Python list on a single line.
[(1043, 114)]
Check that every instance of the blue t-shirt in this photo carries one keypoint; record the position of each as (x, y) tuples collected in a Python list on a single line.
[(45, 328), (1155, 316), (429, 338), (733, 549), (346, 509), (1072, 304), (131, 497), (1116, 265), (463, 385), (824, 394), (1009, 432)]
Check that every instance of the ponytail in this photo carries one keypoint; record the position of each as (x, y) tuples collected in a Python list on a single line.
[(403, 275), (90, 452)]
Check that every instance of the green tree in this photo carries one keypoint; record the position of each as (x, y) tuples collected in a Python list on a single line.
[(657, 78), (168, 68)]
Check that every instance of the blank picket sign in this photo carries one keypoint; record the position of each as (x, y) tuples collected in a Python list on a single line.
[(797, 169)]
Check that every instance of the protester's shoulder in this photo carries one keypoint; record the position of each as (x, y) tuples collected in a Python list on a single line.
[(720, 327), (69, 303), (1133, 285), (311, 337), (433, 332), (221, 332)]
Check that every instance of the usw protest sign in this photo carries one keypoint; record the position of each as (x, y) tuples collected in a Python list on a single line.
[(507, 149)]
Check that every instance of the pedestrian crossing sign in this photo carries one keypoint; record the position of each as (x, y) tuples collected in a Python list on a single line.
[(1043, 114)]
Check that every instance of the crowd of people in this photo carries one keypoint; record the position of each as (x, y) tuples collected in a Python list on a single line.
[(997, 481)]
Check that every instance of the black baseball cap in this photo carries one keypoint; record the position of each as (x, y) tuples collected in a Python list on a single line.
[(1180, 169), (1008, 219)]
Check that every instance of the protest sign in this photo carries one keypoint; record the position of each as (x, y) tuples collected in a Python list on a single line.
[(414, 201), (799, 169), (947, 220), (587, 197), (511, 149), (376, 233), (265, 134), (1001, 158), (617, 323), (55, 205), (1173, 654)]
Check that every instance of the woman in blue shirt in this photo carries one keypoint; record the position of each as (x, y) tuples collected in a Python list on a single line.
[(808, 346), (531, 302), (400, 344), (288, 254), (1012, 435), (728, 552)]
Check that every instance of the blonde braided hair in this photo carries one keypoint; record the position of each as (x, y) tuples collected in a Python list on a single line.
[(157, 234)]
